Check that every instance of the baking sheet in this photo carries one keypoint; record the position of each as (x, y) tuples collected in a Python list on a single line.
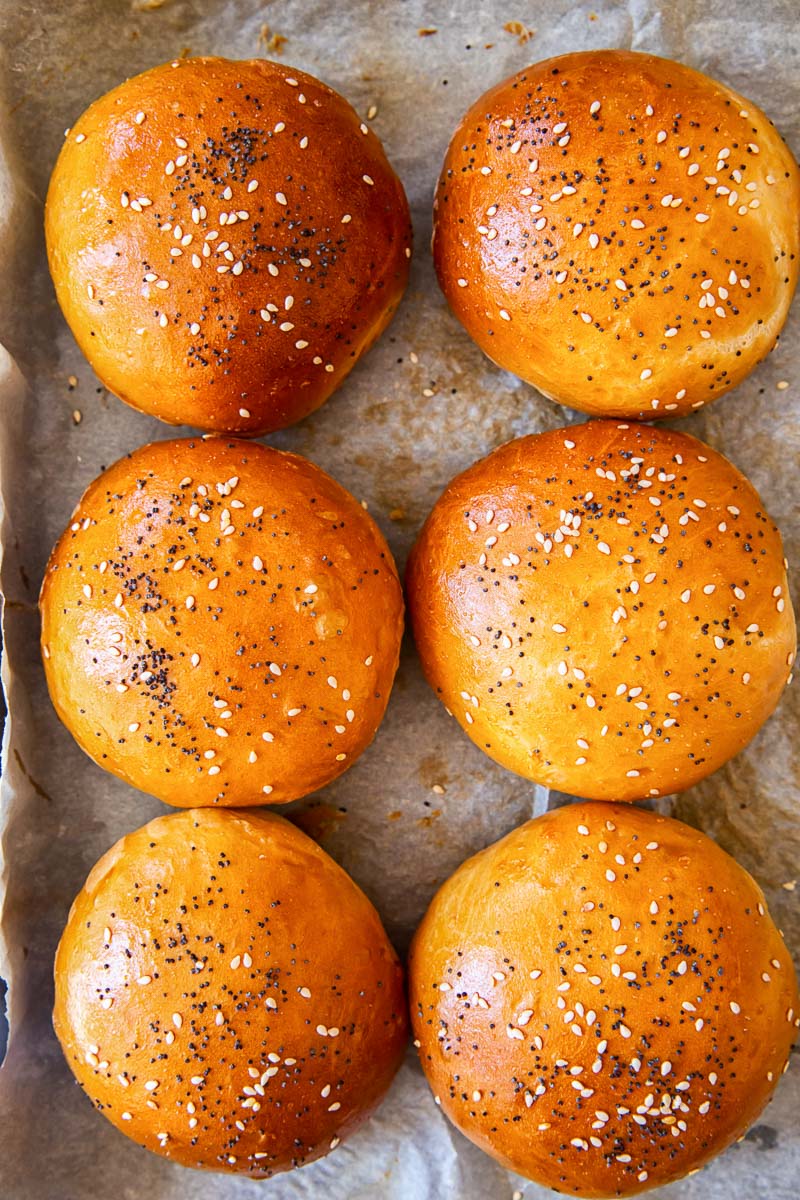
[(422, 406)]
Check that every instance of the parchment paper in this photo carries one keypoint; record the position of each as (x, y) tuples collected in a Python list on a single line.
[(422, 406)]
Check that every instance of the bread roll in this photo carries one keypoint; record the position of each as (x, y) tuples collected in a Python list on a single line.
[(601, 1000), (221, 624), (226, 995), (620, 231), (226, 240), (604, 608)]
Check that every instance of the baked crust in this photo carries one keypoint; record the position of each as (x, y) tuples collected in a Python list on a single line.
[(601, 1000), (204, 1005), (221, 623), (604, 608), (226, 240), (620, 231)]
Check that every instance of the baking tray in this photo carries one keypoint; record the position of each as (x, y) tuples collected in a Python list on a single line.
[(423, 405)]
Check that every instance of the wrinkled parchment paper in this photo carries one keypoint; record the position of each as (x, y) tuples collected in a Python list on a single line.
[(422, 406)]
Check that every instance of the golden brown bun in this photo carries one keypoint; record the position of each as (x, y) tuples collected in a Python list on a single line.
[(242, 326), (620, 231), (601, 1000), (221, 623), (604, 608), (226, 994)]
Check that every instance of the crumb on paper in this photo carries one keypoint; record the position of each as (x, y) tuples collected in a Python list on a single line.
[(426, 32), (77, 416), (147, 5), (72, 382), (413, 357), (520, 31), (782, 385), (372, 112), (438, 789), (592, 16), (428, 392), (272, 42), (790, 885), (397, 514)]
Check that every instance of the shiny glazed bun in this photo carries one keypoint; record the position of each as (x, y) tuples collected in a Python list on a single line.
[(226, 240), (604, 608), (226, 994), (221, 623), (620, 231), (601, 1000)]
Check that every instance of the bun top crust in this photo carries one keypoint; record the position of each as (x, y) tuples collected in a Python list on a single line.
[(601, 999), (620, 231), (604, 608), (204, 1005), (226, 239), (221, 623)]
